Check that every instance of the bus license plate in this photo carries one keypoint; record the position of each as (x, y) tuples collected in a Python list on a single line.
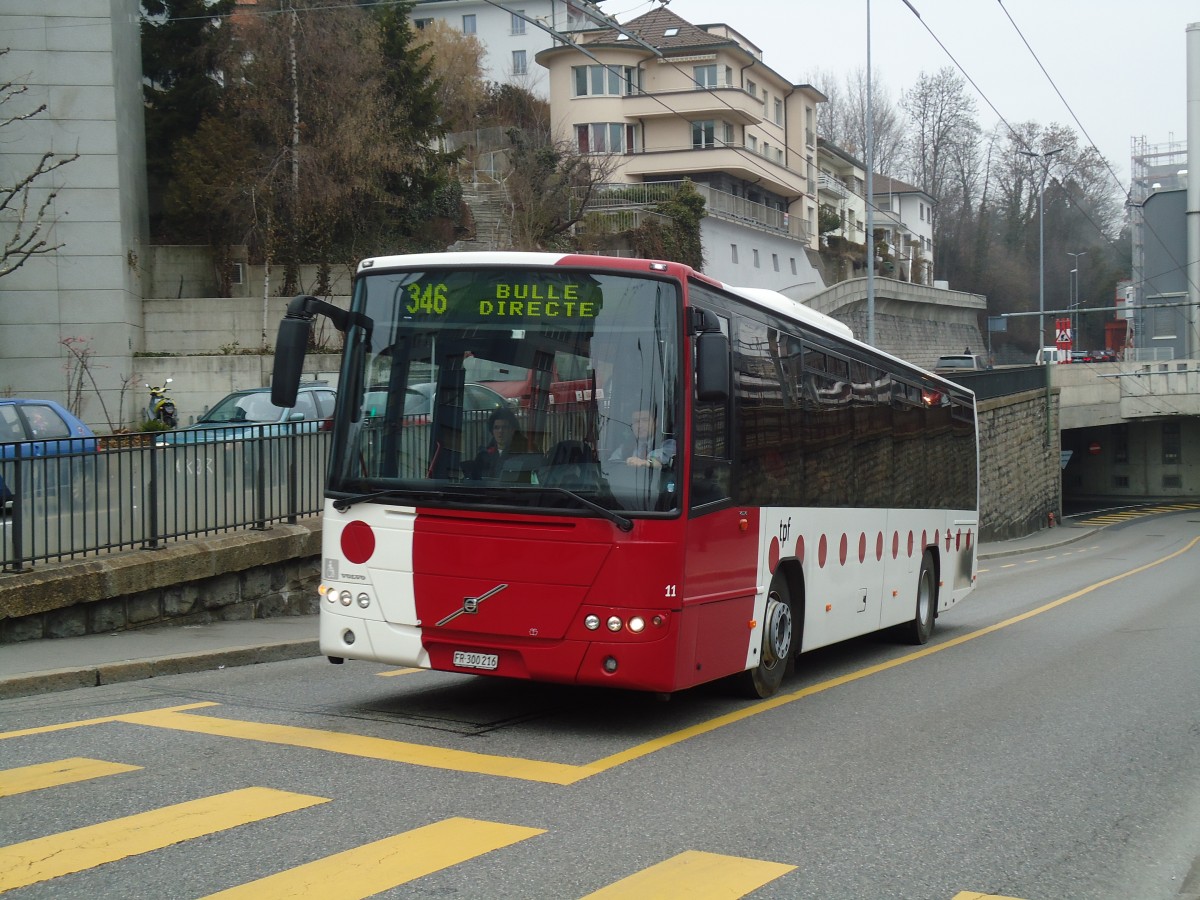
[(466, 660)]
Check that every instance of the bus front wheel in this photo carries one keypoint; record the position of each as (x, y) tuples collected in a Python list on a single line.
[(921, 626), (777, 643)]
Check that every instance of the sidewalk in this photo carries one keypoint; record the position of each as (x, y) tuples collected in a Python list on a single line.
[(35, 667)]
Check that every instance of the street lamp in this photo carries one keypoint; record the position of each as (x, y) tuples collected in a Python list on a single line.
[(1075, 301), (1045, 158)]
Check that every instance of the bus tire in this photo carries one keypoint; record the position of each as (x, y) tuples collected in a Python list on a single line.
[(921, 627), (778, 643)]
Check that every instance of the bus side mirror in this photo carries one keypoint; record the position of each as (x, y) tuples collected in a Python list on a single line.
[(712, 367), (290, 345)]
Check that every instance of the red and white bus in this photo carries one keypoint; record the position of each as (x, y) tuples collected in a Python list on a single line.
[(806, 487)]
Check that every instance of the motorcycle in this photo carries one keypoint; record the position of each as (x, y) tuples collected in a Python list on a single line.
[(162, 408)]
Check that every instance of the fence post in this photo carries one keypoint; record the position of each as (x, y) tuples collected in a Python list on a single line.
[(16, 521), (152, 492)]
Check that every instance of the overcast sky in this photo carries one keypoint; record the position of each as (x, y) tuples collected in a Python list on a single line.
[(1120, 65)]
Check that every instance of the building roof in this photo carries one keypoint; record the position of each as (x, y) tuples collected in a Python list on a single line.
[(885, 184), (653, 27)]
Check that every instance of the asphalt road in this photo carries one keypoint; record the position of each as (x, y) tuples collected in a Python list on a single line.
[(1045, 744)]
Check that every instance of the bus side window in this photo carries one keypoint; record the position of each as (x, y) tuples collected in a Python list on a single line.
[(711, 480)]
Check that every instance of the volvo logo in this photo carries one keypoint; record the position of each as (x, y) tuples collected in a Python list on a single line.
[(471, 605)]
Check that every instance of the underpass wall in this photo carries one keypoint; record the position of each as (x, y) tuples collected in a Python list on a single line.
[(1020, 482)]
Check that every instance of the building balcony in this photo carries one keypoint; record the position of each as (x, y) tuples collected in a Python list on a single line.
[(739, 162), (827, 184), (617, 201), (727, 104)]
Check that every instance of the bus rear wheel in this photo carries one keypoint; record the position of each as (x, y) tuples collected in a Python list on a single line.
[(777, 647), (921, 627)]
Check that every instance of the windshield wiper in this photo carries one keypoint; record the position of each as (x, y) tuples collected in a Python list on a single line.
[(625, 524)]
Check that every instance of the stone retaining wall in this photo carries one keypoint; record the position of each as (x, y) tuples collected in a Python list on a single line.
[(242, 575)]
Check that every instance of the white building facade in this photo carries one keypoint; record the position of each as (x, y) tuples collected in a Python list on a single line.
[(510, 40), (82, 59)]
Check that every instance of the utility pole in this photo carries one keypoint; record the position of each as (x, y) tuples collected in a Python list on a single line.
[(1045, 158)]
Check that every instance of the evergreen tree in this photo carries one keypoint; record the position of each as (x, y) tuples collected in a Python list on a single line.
[(184, 46)]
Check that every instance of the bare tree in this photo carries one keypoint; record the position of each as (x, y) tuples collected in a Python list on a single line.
[(456, 61), (845, 120), (942, 127), (25, 206)]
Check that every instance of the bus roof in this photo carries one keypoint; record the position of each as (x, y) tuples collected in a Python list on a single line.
[(793, 309)]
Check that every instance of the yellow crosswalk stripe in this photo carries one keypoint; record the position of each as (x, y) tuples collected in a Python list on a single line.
[(60, 854), (697, 876), (382, 865), (53, 774)]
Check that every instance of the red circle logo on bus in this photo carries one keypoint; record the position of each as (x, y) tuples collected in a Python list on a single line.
[(800, 548), (862, 547), (879, 547), (843, 545), (822, 551), (773, 555), (895, 544), (358, 541)]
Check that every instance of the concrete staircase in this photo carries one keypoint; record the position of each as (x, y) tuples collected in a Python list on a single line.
[(491, 211)]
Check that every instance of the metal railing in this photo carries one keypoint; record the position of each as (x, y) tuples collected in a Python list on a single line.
[(717, 203), (137, 492)]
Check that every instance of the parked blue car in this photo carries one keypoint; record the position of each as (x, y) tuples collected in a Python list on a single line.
[(30, 429), (250, 413)]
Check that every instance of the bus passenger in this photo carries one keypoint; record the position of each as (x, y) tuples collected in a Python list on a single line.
[(641, 450), (506, 440)]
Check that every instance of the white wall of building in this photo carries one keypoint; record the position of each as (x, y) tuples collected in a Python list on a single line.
[(761, 259)]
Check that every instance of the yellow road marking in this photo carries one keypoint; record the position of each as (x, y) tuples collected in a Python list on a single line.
[(379, 866), (697, 876), (40, 860), (364, 746), (395, 672), (81, 723), (53, 774), (535, 770), (974, 895)]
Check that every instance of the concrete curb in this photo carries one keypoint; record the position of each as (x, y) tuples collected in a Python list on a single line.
[(138, 669), (1071, 534)]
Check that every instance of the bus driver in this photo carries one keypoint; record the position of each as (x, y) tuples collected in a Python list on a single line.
[(640, 450)]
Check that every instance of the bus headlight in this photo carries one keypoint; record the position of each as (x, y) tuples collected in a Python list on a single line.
[(591, 623), (614, 623), (364, 600), (636, 624), (346, 597)]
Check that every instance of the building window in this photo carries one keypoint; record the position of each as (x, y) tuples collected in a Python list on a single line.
[(752, 89), (601, 137), (752, 143), (612, 81), (469, 24), (1171, 455), (792, 260), (518, 23), (778, 111), (733, 253), (775, 261), (420, 24), (710, 133), (756, 259), (704, 76), (519, 66)]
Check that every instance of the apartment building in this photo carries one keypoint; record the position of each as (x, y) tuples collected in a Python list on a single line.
[(511, 41), (665, 99), (904, 222)]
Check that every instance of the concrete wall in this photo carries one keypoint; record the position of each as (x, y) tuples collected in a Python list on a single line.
[(783, 263), (81, 59)]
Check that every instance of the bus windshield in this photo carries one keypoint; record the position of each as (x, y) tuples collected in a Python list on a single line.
[(424, 411)]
